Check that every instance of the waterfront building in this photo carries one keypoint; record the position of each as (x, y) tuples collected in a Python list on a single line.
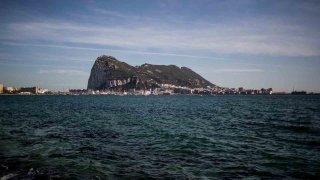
[(79, 91), (182, 90), (42, 91), (168, 86), (9, 90), (32, 90), (1, 88), (240, 89), (298, 92)]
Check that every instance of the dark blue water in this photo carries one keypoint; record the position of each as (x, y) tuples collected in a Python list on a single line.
[(175, 137)]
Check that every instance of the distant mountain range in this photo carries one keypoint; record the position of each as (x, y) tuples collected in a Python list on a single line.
[(110, 73)]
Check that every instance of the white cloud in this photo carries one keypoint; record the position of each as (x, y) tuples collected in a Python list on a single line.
[(64, 72), (235, 70)]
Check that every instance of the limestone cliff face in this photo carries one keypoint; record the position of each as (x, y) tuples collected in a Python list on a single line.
[(97, 77), (109, 73)]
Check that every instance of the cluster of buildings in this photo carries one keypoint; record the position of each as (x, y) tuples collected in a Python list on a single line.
[(163, 89), (120, 93), (170, 89), (243, 91), (22, 90)]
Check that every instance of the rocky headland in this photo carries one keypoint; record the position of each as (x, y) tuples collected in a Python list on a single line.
[(110, 73)]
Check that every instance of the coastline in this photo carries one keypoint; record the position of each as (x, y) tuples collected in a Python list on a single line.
[(316, 94)]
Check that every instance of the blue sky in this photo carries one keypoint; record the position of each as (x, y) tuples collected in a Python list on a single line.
[(246, 43)]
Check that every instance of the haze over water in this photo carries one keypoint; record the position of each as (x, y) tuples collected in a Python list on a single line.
[(174, 137)]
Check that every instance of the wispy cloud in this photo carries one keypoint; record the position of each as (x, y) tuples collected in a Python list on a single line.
[(64, 72), (33, 65), (268, 38), (235, 70), (112, 50), (105, 12), (38, 56)]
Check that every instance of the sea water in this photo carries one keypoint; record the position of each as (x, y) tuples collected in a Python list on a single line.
[(160, 137)]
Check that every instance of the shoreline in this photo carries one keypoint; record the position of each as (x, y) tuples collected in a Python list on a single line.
[(317, 94)]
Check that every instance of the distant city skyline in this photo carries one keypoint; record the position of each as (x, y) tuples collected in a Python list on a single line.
[(250, 44)]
